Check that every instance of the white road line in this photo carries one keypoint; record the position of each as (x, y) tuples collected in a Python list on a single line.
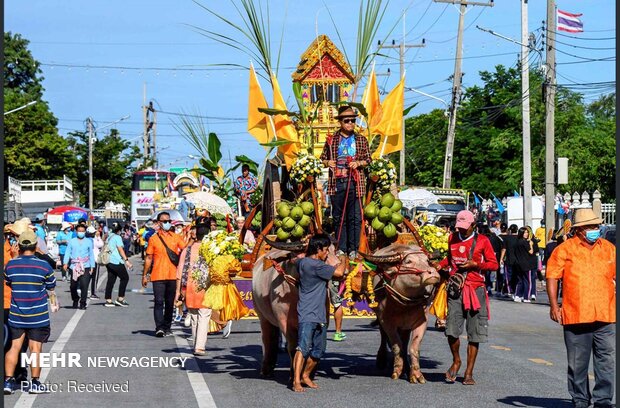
[(26, 400), (196, 379)]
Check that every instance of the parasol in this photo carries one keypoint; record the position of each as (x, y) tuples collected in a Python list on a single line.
[(417, 197), (210, 202), (69, 213)]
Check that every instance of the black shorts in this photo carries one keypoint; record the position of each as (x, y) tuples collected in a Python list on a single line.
[(40, 334)]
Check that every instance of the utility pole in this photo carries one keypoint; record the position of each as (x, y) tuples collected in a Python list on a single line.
[(150, 126), (525, 92), (145, 138), (401, 51), (549, 87), (456, 87), (90, 130)]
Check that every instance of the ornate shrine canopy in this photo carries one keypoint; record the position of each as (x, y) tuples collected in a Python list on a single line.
[(323, 62)]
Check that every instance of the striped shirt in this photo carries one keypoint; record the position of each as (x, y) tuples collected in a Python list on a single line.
[(29, 278)]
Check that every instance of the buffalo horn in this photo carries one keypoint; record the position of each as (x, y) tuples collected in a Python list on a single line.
[(383, 259), (287, 246)]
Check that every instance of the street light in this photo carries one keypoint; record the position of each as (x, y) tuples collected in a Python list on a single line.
[(20, 108), (91, 130), (430, 96)]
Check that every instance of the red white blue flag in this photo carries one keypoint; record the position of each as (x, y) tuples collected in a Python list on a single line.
[(170, 186), (569, 22)]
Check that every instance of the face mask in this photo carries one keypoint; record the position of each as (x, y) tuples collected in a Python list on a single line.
[(178, 230), (81, 234), (166, 226), (593, 235)]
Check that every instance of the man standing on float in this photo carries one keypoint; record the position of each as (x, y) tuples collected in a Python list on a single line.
[(346, 154)]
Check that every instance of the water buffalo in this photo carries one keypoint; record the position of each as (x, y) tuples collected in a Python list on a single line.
[(403, 285)]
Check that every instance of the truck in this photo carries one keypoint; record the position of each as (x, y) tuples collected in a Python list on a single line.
[(514, 212), (449, 202)]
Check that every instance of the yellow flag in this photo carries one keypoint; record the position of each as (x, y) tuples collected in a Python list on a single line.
[(372, 103), (258, 122), (285, 130), (391, 126)]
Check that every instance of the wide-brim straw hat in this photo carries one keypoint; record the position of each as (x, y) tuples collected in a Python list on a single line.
[(18, 227), (586, 216)]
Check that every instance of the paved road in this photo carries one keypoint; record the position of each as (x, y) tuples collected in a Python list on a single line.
[(522, 365)]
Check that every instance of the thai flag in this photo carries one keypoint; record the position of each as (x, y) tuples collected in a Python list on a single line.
[(170, 185), (203, 180), (569, 22)]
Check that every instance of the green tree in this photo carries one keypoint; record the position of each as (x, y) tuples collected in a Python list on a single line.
[(113, 160), (488, 144), (33, 148)]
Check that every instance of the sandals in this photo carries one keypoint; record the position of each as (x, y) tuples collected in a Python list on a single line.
[(451, 376), (469, 381)]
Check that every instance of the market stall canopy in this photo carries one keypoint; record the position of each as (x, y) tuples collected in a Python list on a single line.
[(68, 213), (175, 215), (210, 202), (417, 197)]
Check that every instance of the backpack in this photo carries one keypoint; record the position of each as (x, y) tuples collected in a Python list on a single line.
[(104, 255)]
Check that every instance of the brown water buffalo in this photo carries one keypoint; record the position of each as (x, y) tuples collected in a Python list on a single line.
[(275, 301), (403, 289)]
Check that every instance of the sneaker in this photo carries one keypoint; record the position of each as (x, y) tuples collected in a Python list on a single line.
[(83, 307), (178, 318), (227, 329), (517, 299), (9, 386), (527, 301), (75, 304), (188, 320), (109, 303), (339, 253), (352, 255), (339, 336), (64, 278), (94, 296), (168, 333), (199, 353), (533, 298), (121, 303), (37, 388), (159, 333)]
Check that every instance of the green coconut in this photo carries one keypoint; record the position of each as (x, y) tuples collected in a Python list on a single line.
[(297, 213), (371, 211), (283, 210), (282, 235), (297, 232), (397, 218), (387, 200), (396, 206), (305, 221), (377, 225), (389, 231), (307, 207), (385, 214), (288, 224)]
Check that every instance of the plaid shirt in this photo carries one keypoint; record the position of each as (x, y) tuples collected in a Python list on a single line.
[(330, 152)]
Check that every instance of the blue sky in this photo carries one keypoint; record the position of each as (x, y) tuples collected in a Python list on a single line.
[(175, 62)]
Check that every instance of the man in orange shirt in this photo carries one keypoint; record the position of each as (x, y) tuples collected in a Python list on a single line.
[(586, 264), (162, 259)]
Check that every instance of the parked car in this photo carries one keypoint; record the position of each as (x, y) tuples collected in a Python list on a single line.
[(609, 233)]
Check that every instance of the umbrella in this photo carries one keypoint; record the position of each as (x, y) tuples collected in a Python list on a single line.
[(210, 202), (417, 197), (175, 215)]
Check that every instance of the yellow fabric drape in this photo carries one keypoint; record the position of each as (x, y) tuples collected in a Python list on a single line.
[(439, 307), (258, 122), (372, 103), (285, 130), (390, 127)]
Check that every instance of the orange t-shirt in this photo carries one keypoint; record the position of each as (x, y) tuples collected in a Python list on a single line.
[(193, 297), (163, 269), (588, 280), (7, 288)]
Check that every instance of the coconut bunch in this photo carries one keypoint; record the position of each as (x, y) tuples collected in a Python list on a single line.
[(256, 221), (384, 215), (292, 220)]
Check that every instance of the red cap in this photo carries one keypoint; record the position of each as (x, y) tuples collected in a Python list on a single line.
[(464, 219)]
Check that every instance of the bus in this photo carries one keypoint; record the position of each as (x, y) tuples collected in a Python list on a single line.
[(145, 184)]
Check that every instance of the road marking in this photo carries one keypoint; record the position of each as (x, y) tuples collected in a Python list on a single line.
[(540, 361), (196, 379), (501, 348), (26, 400)]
